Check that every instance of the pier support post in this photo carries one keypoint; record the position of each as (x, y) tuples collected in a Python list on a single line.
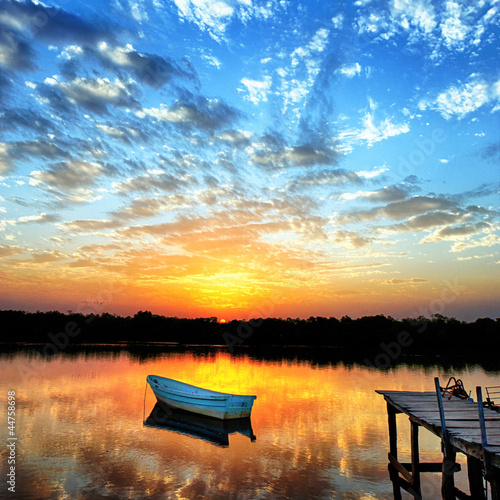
[(415, 459), (475, 474), (494, 480), (448, 472), (393, 450)]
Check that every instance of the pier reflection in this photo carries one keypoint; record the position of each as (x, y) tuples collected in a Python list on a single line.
[(213, 430)]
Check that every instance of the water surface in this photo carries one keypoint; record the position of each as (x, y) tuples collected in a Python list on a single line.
[(320, 428)]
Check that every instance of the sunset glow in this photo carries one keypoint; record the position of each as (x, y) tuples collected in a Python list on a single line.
[(250, 158)]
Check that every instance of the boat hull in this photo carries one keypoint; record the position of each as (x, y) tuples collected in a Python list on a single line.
[(173, 393)]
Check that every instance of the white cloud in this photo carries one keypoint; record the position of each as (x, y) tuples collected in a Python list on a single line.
[(206, 114), (70, 52), (214, 16), (418, 13), (487, 241), (373, 132), (461, 101), (350, 71), (337, 21), (452, 29), (115, 132), (302, 71), (257, 90), (370, 174), (213, 61)]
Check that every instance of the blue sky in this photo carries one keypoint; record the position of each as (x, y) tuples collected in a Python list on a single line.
[(229, 157)]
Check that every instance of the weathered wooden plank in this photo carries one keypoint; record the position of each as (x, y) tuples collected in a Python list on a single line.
[(426, 399), (447, 409), (457, 415), (401, 469), (474, 435), (466, 424), (415, 393)]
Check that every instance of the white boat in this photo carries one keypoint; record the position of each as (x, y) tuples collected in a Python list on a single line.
[(197, 400)]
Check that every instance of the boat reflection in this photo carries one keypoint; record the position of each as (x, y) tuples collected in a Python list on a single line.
[(213, 430)]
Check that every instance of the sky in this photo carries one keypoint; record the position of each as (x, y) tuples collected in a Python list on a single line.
[(250, 158)]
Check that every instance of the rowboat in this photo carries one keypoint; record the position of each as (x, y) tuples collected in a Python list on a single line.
[(212, 430), (188, 397)]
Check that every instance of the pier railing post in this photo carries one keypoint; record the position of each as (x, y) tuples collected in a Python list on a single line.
[(449, 464), (491, 474)]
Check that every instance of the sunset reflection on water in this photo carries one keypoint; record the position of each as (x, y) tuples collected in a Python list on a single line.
[(321, 429)]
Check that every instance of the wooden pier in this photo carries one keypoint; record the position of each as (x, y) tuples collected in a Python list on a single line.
[(462, 425)]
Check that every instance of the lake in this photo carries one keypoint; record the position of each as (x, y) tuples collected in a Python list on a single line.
[(320, 429)]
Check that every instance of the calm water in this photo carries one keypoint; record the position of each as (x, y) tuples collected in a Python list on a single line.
[(321, 430)]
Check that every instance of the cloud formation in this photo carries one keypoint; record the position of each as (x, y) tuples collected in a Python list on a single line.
[(194, 147)]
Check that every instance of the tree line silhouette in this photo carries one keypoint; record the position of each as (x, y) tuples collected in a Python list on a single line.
[(368, 334)]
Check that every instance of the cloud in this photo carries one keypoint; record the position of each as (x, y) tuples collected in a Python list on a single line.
[(272, 152), (52, 23), (350, 71), (6, 162), (257, 90), (386, 194), (303, 70), (374, 172), (90, 225), (214, 16), (326, 177), (124, 133), (12, 152), (454, 31), (9, 251), (373, 132), (437, 31), (428, 221), (155, 180), (45, 257), (410, 281), (73, 181), (94, 94), (25, 120), (15, 53), (204, 114), (237, 138), (487, 241), (38, 219), (492, 152), (457, 232), (461, 100), (143, 208), (416, 14), (352, 239), (150, 69), (402, 209)]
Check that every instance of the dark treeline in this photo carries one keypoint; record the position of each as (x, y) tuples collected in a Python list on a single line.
[(368, 334)]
